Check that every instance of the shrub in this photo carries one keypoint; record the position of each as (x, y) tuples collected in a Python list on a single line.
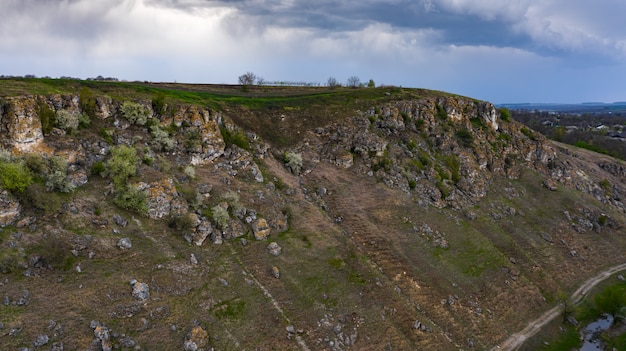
[(453, 163), (46, 116), (220, 216), (411, 145), (465, 137), (441, 112), (14, 176), (232, 198), (193, 140), (36, 195), (107, 135), (191, 194), (98, 168), (122, 165), (6, 156), (56, 252), (384, 163), (527, 132), (419, 124), (190, 171), (135, 113), (87, 103), (56, 177), (66, 120), (412, 183), (161, 140), (235, 138), (293, 161), (158, 104), (131, 198), (505, 114), (84, 121), (182, 223)]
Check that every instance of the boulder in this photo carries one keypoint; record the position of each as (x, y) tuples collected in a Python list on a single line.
[(125, 243), (261, 229), (120, 221), (163, 199), (10, 209), (141, 291), (196, 339), (23, 123), (274, 248)]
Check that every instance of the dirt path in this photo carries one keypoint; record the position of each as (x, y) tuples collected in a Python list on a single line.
[(516, 340)]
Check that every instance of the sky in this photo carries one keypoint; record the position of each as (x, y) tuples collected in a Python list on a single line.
[(503, 51)]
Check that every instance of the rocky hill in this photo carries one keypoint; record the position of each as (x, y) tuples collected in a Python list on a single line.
[(171, 216)]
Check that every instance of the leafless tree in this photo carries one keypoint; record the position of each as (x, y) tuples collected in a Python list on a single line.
[(354, 82), (247, 79), (332, 82)]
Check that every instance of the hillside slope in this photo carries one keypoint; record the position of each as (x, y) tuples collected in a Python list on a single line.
[(197, 217)]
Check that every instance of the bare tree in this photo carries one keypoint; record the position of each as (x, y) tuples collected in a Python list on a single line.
[(332, 82), (247, 79), (354, 82)]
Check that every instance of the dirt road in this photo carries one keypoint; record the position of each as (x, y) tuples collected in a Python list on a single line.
[(516, 340)]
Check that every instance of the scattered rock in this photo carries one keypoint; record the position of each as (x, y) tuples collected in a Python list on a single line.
[(102, 334), (41, 340), (26, 222), (261, 229), (120, 221), (141, 291), (274, 248), (124, 243), (275, 272), (10, 209), (550, 184), (196, 339)]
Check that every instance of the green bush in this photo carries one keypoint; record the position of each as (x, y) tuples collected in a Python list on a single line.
[(293, 161), (56, 177), (66, 120), (131, 198), (98, 168), (220, 216), (441, 112), (135, 113), (158, 104), (412, 183), (193, 140), (161, 140), (527, 132), (465, 137), (122, 165), (419, 124), (411, 145), (37, 196), (107, 134), (453, 163), (15, 176), (182, 223), (46, 116), (505, 114), (87, 103), (235, 138)]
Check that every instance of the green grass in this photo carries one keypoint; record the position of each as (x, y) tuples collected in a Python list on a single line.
[(569, 340)]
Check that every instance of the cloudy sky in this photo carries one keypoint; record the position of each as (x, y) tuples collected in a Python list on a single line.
[(497, 50)]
